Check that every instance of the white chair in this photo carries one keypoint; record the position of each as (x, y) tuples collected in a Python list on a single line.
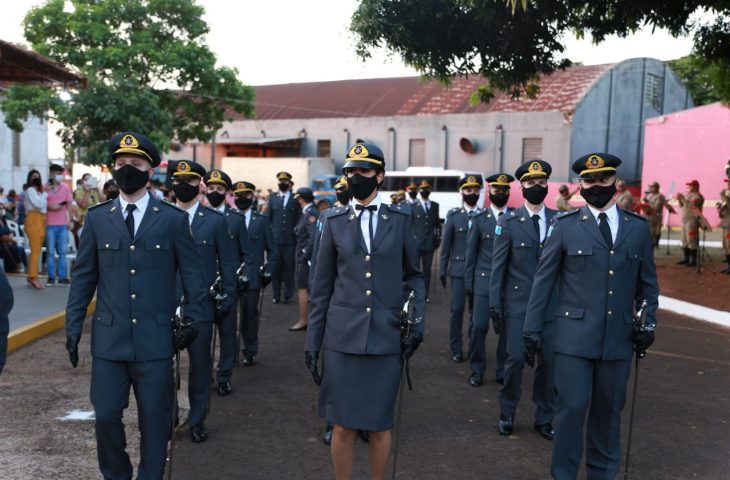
[(72, 251), (15, 230)]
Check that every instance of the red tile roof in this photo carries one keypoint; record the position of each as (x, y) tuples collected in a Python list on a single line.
[(560, 91), (20, 65)]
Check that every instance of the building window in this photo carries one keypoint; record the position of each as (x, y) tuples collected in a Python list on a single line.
[(653, 94), (324, 148), (531, 149), (417, 152), (16, 148)]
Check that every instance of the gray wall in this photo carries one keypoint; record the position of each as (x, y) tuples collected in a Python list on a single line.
[(33, 153), (610, 118)]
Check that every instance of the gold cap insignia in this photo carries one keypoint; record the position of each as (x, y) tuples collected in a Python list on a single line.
[(471, 179), (240, 186), (358, 151), (215, 174), (595, 161), (128, 141), (535, 167), (502, 179), (183, 167)]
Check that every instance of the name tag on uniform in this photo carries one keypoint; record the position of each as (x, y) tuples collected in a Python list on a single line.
[(550, 230), (498, 230), (469, 225)]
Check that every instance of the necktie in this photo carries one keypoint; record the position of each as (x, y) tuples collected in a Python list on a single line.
[(371, 209), (500, 214), (130, 219), (605, 229), (428, 206), (536, 224)]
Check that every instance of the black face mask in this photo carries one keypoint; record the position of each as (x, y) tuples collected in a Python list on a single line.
[(412, 194), (185, 192), (535, 194), (343, 197), (243, 203), (36, 182), (499, 200), (283, 186), (425, 194), (130, 179), (112, 194), (598, 196), (471, 199), (360, 186), (215, 198)]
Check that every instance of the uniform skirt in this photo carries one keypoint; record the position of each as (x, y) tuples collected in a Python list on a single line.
[(359, 391)]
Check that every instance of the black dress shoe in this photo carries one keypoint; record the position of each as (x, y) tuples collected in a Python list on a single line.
[(224, 388), (499, 380), (364, 435), (275, 300), (545, 430), (327, 435), (248, 360), (475, 380), (198, 433), (506, 425), (287, 300), (457, 358)]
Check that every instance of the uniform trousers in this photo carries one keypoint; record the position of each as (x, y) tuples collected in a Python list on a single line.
[(227, 340), (456, 317), (478, 328), (542, 387), (153, 389), (690, 234), (583, 383), (284, 272), (6, 304), (425, 259), (199, 377), (249, 304)]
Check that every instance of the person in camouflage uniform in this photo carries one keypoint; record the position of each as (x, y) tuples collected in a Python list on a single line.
[(723, 209), (690, 214), (652, 207), (624, 198)]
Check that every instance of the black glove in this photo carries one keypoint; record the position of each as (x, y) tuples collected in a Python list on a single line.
[(410, 343), (310, 359), (184, 338), (221, 313), (443, 280), (642, 341), (532, 346), (497, 320), (72, 346)]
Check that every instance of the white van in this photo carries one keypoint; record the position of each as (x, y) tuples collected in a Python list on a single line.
[(444, 185)]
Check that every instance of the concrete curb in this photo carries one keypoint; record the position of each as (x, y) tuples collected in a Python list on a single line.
[(699, 312), (45, 326)]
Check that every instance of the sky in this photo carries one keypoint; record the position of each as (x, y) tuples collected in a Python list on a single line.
[(290, 41)]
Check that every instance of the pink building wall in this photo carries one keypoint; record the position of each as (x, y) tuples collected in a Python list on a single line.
[(686, 145)]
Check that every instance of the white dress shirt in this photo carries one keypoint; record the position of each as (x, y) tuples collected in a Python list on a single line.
[(365, 219), (542, 222), (138, 212), (285, 196), (191, 212), (496, 212), (247, 216), (611, 217), (426, 204)]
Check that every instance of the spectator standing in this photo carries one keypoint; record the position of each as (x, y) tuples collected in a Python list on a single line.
[(59, 201), (86, 196), (11, 205), (12, 254), (35, 203)]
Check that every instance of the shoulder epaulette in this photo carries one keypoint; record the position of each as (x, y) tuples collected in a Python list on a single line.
[(455, 209), (567, 213), (100, 204), (479, 213), (634, 214), (213, 210), (172, 205), (235, 211), (400, 208), (511, 216), (254, 212), (335, 211)]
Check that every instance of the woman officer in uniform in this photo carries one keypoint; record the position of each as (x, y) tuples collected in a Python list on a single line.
[(366, 257)]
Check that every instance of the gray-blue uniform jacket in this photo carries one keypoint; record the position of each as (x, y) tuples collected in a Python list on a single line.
[(6, 304), (283, 218), (237, 229), (218, 254), (260, 239), (306, 232), (598, 288), (135, 281), (516, 253), (453, 249), (357, 296), (479, 249), (426, 225)]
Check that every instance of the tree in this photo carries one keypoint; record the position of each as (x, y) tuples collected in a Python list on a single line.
[(511, 43), (698, 76), (148, 70)]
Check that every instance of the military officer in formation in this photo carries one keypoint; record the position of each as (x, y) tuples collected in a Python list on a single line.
[(601, 259), (562, 202), (342, 194), (691, 215), (426, 225), (217, 185), (453, 258), (219, 255), (264, 254), (366, 257), (624, 197), (723, 210), (519, 239), (480, 242), (653, 205), (305, 232), (283, 212), (131, 252)]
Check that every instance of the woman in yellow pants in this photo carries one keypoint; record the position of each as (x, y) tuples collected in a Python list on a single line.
[(35, 224)]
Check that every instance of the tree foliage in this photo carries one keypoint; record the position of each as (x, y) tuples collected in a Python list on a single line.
[(511, 43), (148, 70), (699, 78)]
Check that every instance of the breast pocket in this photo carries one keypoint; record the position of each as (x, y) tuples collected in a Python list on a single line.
[(575, 260), (521, 248), (157, 251), (109, 255)]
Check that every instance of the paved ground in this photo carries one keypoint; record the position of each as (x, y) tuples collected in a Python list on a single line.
[(32, 305), (267, 429)]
